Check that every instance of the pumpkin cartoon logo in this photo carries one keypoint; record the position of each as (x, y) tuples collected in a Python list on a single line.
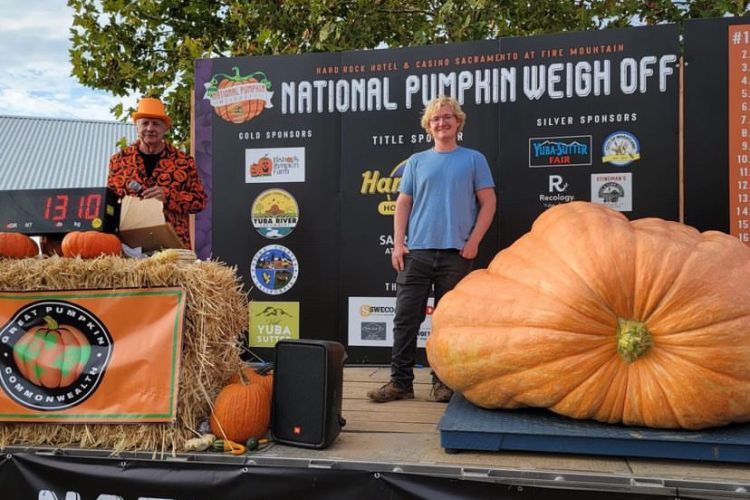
[(53, 355), (262, 168), (239, 98)]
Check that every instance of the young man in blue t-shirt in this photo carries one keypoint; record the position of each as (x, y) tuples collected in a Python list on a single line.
[(445, 205)]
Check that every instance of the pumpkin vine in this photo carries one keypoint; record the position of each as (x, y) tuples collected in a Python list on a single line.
[(258, 76)]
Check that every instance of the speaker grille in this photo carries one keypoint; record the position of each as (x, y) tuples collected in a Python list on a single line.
[(300, 393)]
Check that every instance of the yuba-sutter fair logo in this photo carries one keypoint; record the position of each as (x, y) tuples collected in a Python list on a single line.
[(239, 98), (560, 151), (53, 355)]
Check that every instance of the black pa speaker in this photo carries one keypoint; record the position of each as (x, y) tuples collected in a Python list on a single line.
[(307, 385)]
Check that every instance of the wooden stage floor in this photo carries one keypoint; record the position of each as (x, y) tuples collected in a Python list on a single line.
[(403, 436)]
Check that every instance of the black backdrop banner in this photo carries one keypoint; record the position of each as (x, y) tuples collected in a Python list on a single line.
[(305, 155), (45, 477)]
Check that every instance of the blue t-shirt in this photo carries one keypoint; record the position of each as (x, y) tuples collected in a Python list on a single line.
[(443, 187)]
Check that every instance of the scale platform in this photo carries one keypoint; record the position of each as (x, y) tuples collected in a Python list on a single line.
[(465, 426)]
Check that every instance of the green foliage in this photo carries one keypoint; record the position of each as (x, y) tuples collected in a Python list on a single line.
[(148, 47)]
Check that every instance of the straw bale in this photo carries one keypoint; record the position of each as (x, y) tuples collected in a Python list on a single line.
[(215, 317)]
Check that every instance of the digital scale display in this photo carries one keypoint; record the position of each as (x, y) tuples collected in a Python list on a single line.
[(47, 211)]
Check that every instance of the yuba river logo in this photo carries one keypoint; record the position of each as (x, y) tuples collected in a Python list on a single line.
[(53, 355)]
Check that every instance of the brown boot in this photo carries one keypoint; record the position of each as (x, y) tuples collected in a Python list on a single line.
[(441, 393), (390, 392)]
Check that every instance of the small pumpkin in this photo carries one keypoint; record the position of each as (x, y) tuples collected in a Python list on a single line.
[(596, 317), (242, 410), (252, 375), (17, 246), (52, 355), (90, 244)]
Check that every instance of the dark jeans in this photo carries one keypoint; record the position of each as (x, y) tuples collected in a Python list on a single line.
[(422, 270)]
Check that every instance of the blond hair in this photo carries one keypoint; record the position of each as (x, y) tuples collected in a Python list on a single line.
[(433, 107)]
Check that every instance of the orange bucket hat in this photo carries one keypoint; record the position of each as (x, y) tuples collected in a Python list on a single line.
[(151, 107)]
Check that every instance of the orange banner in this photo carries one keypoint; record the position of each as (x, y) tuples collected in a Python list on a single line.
[(738, 136), (94, 356)]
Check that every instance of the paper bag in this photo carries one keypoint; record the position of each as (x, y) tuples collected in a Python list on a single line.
[(142, 224)]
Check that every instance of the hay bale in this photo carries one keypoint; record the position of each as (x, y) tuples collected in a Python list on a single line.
[(215, 317)]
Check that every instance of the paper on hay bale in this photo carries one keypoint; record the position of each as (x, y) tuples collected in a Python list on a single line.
[(142, 224)]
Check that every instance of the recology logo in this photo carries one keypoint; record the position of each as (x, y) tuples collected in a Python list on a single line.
[(567, 151)]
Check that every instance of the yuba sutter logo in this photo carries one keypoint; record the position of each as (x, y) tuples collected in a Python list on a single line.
[(274, 269), (273, 321), (560, 151), (53, 355), (239, 98)]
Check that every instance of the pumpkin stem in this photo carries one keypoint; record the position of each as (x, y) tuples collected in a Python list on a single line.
[(51, 323), (633, 339), (243, 377)]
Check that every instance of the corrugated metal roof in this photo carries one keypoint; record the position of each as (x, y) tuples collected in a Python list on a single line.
[(49, 153)]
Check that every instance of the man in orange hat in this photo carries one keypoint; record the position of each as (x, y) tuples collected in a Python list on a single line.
[(153, 168)]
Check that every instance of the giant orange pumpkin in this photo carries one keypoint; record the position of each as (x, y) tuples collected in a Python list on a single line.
[(17, 246), (52, 355), (595, 317), (90, 244), (242, 410)]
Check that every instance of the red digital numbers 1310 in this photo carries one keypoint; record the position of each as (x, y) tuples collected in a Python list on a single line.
[(56, 207)]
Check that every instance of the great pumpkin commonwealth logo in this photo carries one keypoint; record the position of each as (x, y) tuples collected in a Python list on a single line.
[(53, 355)]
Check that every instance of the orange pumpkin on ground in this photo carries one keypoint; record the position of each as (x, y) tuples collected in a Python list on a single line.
[(241, 411), (592, 316), (90, 244), (253, 377), (17, 246), (52, 355)]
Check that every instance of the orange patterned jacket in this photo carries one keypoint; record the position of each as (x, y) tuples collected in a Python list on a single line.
[(176, 172)]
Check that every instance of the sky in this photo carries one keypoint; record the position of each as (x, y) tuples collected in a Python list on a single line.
[(35, 69)]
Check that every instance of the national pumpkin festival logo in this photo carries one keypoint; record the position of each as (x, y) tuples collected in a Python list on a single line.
[(53, 355), (239, 98)]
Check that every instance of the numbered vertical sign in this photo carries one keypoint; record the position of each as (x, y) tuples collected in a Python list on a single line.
[(739, 131)]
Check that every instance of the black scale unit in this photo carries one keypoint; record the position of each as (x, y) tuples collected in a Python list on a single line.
[(62, 210)]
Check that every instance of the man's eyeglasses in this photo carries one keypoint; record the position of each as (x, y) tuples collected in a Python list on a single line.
[(437, 118)]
